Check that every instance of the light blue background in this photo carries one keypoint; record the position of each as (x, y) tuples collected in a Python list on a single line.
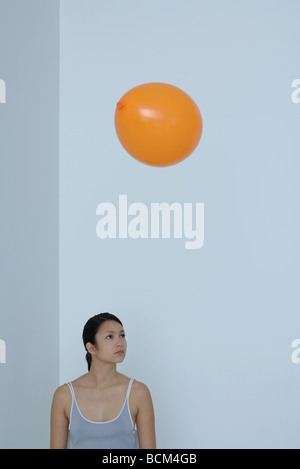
[(209, 331)]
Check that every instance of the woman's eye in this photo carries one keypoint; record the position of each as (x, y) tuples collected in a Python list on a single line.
[(110, 336)]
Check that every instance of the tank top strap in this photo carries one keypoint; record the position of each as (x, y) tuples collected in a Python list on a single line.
[(129, 387), (71, 389)]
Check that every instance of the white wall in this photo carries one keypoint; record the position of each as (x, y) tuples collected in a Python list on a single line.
[(210, 330)]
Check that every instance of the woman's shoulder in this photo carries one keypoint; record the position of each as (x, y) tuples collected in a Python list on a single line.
[(136, 385), (62, 395), (140, 389), (141, 396), (64, 391)]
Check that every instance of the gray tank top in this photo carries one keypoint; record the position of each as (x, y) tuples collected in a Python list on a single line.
[(118, 433)]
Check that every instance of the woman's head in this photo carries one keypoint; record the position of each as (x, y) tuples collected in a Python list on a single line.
[(103, 334)]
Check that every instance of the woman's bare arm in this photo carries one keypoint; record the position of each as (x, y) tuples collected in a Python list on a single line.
[(59, 419), (145, 419)]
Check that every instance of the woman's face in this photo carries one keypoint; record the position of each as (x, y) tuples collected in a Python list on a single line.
[(111, 342)]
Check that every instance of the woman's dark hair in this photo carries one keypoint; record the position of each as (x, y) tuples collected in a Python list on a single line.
[(91, 328)]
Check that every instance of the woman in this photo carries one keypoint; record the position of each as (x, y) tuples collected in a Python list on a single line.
[(103, 408)]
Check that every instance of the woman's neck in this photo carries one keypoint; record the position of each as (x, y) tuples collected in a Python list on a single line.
[(103, 375)]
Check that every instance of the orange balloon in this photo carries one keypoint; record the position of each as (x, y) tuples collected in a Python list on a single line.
[(158, 124)]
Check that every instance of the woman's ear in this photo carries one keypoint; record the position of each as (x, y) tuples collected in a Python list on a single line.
[(90, 348)]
